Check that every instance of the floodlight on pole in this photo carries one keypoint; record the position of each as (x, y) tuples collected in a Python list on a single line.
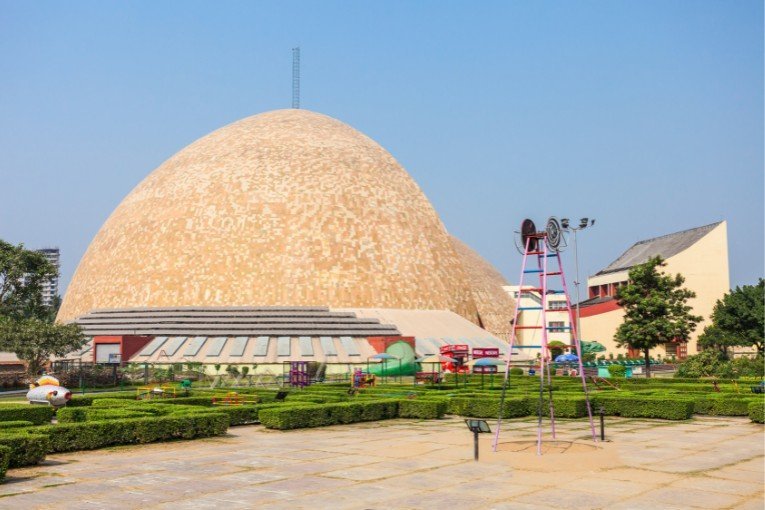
[(583, 223), (477, 427)]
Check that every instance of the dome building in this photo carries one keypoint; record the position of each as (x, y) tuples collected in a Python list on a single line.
[(280, 217)]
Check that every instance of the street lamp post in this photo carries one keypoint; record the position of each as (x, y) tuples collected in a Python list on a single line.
[(583, 223)]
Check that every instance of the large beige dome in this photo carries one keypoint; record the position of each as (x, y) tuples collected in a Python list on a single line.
[(495, 307), (289, 208)]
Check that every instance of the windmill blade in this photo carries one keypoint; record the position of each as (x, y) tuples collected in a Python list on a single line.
[(554, 236), (528, 235)]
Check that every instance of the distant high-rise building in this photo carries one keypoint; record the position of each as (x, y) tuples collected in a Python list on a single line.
[(50, 285)]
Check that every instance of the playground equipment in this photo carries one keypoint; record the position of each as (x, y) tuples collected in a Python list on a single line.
[(156, 392), (233, 398), (545, 246), (361, 379), (296, 373), (48, 391)]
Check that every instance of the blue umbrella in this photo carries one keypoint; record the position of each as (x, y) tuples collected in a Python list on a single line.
[(566, 358), (487, 362)]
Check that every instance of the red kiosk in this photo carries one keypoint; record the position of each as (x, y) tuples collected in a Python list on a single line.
[(459, 352)]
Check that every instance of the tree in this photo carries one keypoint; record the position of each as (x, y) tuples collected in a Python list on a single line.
[(714, 338), (35, 341), (738, 320), (655, 309), (22, 273)]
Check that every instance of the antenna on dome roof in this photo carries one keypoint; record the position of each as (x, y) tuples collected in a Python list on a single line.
[(296, 77)]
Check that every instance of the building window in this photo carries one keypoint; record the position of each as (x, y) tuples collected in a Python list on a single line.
[(556, 326), (557, 305), (671, 349)]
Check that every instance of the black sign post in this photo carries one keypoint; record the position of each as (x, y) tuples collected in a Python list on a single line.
[(477, 427)]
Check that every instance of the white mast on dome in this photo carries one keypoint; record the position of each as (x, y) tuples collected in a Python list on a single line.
[(296, 77)]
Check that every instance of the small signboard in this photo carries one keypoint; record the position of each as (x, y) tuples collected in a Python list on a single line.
[(115, 358), (492, 352), (455, 350)]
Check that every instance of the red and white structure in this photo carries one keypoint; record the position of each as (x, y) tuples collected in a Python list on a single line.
[(543, 247)]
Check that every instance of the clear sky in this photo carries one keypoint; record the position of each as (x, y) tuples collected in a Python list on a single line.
[(646, 115)]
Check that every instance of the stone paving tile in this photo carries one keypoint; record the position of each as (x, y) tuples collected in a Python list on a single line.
[(423, 500), (751, 504), (305, 484), (684, 498), (642, 476), (496, 489), (604, 486), (365, 473), (708, 483), (733, 473), (754, 464), (514, 505), (644, 503), (421, 481), (411, 464), (466, 471), (552, 498)]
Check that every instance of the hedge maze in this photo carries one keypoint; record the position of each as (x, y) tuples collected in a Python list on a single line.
[(109, 419)]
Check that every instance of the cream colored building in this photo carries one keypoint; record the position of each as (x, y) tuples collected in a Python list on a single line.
[(530, 314), (699, 254)]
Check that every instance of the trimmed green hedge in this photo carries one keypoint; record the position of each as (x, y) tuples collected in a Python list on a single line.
[(5, 459), (87, 400), (722, 405), (644, 407), (67, 437), (37, 414), (80, 414), (72, 414), (189, 401), (115, 402), (17, 424), (317, 398), (26, 449), (514, 407), (321, 415), (564, 407), (757, 412), (421, 408), (237, 415)]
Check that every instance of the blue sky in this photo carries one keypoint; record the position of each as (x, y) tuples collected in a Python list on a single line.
[(645, 115)]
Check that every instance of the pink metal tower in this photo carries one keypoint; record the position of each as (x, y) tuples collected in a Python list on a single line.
[(544, 246)]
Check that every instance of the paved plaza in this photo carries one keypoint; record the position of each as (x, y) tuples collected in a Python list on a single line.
[(704, 463)]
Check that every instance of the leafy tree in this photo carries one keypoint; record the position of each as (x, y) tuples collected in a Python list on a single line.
[(22, 273), (655, 309), (703, 364), (35, 341), (713, 363), (738, 320)]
